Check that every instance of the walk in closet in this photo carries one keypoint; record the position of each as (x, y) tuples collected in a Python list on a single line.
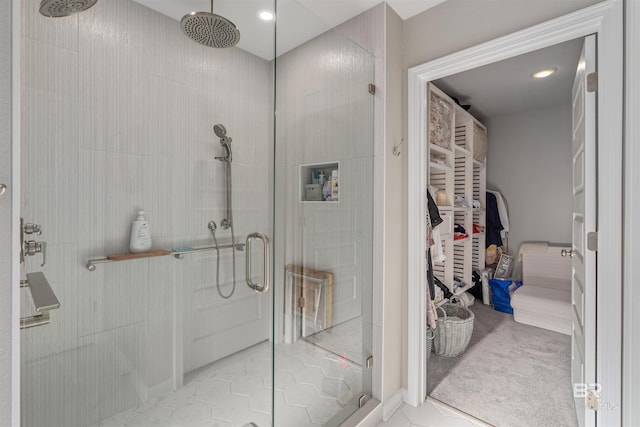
[(456, 177)]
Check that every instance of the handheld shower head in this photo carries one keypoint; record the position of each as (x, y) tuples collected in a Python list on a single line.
[(225, 141), (220, 131), (212, 226)]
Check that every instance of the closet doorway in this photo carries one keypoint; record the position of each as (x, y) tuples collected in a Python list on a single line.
[(519, 43), (529, 162)]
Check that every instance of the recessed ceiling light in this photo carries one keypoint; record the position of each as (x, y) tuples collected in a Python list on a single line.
[(266, 15), (544, 73)]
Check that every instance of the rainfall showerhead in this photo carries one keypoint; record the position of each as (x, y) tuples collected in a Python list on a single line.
[(60, 8), (210, 29)]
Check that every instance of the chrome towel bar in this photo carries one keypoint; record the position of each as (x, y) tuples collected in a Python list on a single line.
[(91, 264)]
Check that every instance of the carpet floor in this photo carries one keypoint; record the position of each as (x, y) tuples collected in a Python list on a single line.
[(511, 374)]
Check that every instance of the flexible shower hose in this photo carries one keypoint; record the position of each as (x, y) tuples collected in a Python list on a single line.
[(233, 244)]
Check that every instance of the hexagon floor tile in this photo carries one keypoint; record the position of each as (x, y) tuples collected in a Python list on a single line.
[(311, 385)]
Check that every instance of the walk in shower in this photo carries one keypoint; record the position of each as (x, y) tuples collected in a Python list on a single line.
[(255, 166)]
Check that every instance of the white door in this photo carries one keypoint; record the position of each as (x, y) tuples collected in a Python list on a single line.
[(583, 295)]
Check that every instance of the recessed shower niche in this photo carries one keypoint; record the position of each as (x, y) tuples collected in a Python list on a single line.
[(320, 182)]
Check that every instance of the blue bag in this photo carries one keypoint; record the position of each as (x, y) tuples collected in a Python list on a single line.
[(501, 291)]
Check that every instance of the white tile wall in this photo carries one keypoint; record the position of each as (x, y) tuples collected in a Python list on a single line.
[(118, 111)]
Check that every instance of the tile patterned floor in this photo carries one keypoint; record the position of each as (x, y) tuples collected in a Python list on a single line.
[(431, 414), (311, 385)]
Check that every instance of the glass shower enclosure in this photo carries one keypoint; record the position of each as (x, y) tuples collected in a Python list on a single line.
[(118, 116)]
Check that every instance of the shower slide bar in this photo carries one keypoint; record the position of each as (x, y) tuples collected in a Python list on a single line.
[(178, 254)]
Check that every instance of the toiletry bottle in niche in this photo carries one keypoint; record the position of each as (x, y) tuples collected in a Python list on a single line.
[(326, 190), (140, 234), (334, 185)]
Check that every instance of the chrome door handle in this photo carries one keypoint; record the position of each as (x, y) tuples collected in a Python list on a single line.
[(568, 253), (261, 288)]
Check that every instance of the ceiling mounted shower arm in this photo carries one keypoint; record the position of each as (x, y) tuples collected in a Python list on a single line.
[(209, 29)]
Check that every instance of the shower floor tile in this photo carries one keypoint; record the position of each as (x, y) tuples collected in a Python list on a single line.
[(311, 386)]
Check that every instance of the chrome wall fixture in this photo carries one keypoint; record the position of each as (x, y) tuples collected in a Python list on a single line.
[(264, 287), (179, 254), (44, 299), (225, 142), (31, 247)]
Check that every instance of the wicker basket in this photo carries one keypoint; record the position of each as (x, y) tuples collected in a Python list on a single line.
[(453, 330)]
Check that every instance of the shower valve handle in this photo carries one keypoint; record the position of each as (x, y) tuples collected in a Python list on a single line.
[(31, 247), (30, 228)]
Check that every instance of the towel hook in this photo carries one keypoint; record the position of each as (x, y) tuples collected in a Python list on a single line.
[(396, 148)]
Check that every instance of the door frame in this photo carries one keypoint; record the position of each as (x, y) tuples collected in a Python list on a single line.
[(604, 19)]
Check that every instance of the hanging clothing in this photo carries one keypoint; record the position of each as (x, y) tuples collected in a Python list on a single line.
[(494, 226), (432, 315), (434, 219), (502, 211), (434, 213), (430, 283), (437, 252), (433, 240)]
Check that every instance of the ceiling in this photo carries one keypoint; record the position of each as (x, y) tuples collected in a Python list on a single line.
[(298, 20), (507, 86)]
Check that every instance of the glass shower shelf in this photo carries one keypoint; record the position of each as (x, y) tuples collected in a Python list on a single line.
[(178, 254)]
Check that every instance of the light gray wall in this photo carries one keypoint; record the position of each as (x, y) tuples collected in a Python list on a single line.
[(457, 24), (529, 162), (395, 212), (6, 298)]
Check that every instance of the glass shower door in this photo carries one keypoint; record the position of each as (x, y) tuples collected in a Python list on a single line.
[(323, 230)]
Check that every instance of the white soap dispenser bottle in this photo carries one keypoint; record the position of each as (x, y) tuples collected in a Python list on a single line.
[(140, 234)]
